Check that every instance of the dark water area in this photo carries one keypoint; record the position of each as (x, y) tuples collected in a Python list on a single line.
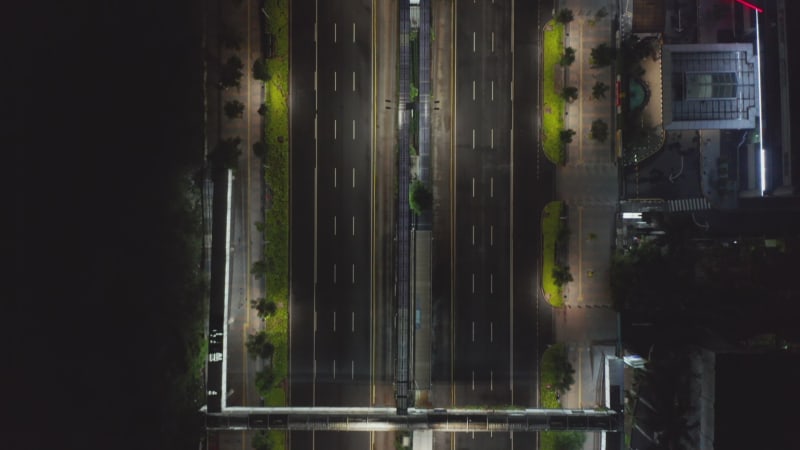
[(106, 135)]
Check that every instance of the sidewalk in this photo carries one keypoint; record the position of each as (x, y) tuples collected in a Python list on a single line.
[(588, 185), (247, 243), (588, 181)]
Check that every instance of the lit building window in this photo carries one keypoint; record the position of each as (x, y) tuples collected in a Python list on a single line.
[(711, 85)]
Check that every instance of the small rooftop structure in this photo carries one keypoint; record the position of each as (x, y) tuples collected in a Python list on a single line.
[(710, 86)]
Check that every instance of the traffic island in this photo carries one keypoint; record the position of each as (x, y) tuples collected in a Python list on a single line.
[(556, 377), (553, 117), (552, 228)]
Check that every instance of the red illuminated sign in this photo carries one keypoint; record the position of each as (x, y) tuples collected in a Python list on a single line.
[(751, 6)]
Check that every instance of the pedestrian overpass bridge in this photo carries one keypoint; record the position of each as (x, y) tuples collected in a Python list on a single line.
[(387, 419)]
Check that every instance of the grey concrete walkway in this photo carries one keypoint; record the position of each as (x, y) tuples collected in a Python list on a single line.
[(588, 184), (385, 203), (421, 292), (246, 242)]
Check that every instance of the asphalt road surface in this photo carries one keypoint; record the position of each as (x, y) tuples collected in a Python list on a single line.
[(246, 205), (482, 365), (355, 440), (331, 163), (534, 186)]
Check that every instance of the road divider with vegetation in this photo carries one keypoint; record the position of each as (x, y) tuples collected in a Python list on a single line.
[(553, 118), (272, 381), (551, 230), (557, 375)]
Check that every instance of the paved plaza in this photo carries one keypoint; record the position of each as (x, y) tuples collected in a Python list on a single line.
[(588, 184)]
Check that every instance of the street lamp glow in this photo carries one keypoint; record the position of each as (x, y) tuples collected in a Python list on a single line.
[(762, 153)]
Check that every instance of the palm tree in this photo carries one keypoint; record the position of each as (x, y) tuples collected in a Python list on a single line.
[(569, 93), (264, 307), (568, 57), (565, 16), (603, 55), (561, 275), (226, 154), (599, 130), (566, 136), (259, 345), (599, 90), (231, 72)]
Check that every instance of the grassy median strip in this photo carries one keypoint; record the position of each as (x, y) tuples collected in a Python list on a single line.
[(554, 369), (551, 224), (562, 440), (277, 216), (549, 376), (553, 121)]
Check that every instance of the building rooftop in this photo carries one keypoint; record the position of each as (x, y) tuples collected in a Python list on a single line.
[(710, 86)]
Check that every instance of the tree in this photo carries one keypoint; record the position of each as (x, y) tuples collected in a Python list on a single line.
[(259, 268), (231, 72), (599, 90), (566, 136), (565, 16), (226, 154), (261, 441), (569, 93), (234, 109), (637, 49), (569, 440), (603, 55), (260, 149), (262, 109), (567, 373), (599, 130), (557, 372), (568, 57), (414, 92), (561, 275), (264, 307), (602, 12), (260, 71), (419, 197), (265, 379), (259, 345)]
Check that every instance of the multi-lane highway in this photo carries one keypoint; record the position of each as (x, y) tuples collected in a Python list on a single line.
[(331, 141), (331, 212), (500, 181), (343, 130), (482, 364), (494, 302), (533, 186)]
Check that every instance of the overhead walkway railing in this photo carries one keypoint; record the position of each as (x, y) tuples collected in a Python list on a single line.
[(402, 368), (386, 419)]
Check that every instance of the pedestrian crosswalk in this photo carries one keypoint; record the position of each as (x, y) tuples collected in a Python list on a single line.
[(688, 204)]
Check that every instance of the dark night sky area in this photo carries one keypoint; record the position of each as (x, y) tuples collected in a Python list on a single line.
[(105, 102)]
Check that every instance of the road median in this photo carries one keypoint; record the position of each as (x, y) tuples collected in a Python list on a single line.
[(551, 229), (553, 117), (276, 172)]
